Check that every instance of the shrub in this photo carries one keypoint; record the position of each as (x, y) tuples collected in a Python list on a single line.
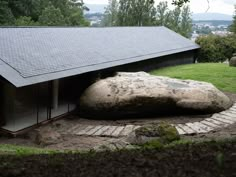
[(216, 48)]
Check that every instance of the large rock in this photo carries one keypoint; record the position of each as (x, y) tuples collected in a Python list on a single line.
[(141, 94), (162, 133), (232, 61)]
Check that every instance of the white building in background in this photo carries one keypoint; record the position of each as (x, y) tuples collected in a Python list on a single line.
[(221, 33)]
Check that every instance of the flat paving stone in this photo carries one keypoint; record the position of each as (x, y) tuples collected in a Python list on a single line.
[(136, 127), (93, 130), (180, 130), (204, 127), (232, 112), (228, 114), (117, 131), (223, 120), (232, 109), (196, 127), (187, 129), (109, 131), (217, 122), (227, 117), (76, 128), (84, 131), (205, 122), (127, 130), (101, 130)]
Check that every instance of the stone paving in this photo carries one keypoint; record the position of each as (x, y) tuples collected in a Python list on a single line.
[(102, 130), (217, 121)]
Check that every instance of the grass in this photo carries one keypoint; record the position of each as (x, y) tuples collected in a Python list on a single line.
[(220, 75), (22, 150)]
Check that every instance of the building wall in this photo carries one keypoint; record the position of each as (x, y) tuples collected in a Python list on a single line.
[(155, 63), (27, 106), (147, 65)]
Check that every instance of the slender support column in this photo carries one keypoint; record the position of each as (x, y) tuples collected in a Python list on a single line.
[(55, 93)]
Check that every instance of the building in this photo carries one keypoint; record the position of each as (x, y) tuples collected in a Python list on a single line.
[(44, 70)]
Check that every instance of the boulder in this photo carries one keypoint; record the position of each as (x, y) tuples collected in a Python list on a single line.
[(162, 133), (232, 61), (139, 94)]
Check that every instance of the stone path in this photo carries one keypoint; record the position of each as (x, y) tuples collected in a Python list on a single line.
[(102, 130), (219, 120)]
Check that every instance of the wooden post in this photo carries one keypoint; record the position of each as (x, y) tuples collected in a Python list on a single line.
[(55, 93)]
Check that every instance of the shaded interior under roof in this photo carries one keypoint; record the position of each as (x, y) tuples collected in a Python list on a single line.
[(33, 55)]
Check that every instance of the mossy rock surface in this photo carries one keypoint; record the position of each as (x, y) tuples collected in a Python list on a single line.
[(162, 133)]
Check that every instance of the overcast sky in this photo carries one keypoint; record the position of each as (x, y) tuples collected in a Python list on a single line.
[(197, 6)]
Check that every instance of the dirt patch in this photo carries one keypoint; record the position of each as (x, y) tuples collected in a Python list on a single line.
[(187, 160)]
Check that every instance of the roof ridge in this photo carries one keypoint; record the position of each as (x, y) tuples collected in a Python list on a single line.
[(81, 27)]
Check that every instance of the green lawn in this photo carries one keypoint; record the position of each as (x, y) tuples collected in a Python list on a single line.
[(221, 75), (22, 150)]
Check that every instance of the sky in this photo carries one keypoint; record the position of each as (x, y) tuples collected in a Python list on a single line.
[(197, 6)]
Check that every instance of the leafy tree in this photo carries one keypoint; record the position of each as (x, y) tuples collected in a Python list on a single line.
[(52, 16), (175, 19), (186, 22), (6, 16), (136, 13), (180, 3), (179, 19), (163, 14), (233, 26), (76, 18), (216, 48), (42, 12), (110, 15), (28, 8), (25, 21), (143, 13)]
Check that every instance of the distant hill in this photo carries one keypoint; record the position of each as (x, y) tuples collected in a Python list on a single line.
[(96, 8), (211, 16), (213, 22), (100, 8)]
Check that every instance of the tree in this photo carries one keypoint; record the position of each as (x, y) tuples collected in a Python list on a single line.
[(233, 26), (25, 21), (6, 16), (175, 19), (186, 22), (163, 14), (143, 13), (52, 16), (216, 48), (136, 13), (179, 19), (110, 15), (29, 8), (179, 3), (26, 12), (76, 18)]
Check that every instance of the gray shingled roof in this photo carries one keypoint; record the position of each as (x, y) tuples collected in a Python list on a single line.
[(34, 55)]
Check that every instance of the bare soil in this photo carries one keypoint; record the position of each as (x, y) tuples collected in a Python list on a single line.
[(207, 159)]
